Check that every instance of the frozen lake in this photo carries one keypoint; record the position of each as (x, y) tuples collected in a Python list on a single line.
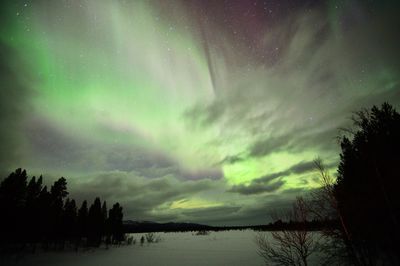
[(217, 248)]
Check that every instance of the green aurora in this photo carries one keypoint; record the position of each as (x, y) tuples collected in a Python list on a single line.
[(189, 110)]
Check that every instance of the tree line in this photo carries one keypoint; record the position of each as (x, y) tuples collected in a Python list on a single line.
[(31, 214)]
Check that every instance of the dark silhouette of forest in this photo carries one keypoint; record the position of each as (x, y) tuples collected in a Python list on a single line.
[(32, 215), (367, 187), (145, 227)]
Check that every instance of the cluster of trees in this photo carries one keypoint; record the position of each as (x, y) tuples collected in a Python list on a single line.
[(30, 214), (366, 189), (362, 201)]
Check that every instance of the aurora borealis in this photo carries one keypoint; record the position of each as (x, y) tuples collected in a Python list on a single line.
[(200, 111)]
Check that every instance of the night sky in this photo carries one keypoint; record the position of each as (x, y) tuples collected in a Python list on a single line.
[(195, 111)]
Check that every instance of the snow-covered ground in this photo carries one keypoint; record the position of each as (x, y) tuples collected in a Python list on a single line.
[(218, 248)]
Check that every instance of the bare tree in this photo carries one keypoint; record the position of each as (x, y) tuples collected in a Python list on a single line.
[(289, 247), (323, 206)]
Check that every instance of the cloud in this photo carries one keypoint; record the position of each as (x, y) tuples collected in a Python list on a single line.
[(257, 187), (210, 214), (139, 195), (203, 116), (150, 199), (272, 182), (52, 148), (211, 173), (302, 167), (270, 145), (257, 211), (231, 159)]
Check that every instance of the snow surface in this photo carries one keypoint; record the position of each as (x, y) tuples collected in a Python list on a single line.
[(218, 248)]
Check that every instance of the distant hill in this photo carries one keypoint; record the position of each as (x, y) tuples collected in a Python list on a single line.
[(149, 226)]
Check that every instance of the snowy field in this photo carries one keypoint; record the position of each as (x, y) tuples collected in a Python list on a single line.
[(218, 248)]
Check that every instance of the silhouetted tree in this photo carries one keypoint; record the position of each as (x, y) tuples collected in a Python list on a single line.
[(12, 205), (44, 216), (115, 222), (367, 184), (105, 227), (288, 246), (58, 192), (70, 220), (95, 222), (104, 213), (32, 209), (83, 221)]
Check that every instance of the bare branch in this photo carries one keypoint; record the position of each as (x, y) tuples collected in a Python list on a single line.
[(289, 247)]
